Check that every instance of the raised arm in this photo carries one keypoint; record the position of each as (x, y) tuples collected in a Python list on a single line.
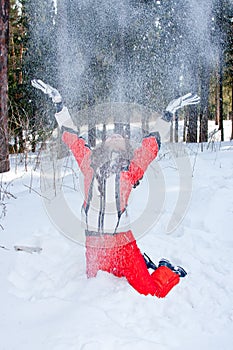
[(62, 114), (70, 137), (148, 151), (163, 124)]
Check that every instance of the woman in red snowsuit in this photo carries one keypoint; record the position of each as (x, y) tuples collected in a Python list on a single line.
[(110, 244), (112, 249)]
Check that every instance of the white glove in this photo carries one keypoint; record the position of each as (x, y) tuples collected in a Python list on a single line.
[(188, 99), (48, 90)]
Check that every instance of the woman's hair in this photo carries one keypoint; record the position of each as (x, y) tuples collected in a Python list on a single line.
[(102, 155)]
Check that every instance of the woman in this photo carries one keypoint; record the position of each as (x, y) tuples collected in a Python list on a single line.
[(110, 172)]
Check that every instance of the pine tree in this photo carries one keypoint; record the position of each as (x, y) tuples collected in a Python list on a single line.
[(15, 76), (40, 62), (228, 24), (32, 55)]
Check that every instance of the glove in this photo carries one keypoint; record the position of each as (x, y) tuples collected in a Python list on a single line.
[(48, 90), (174, 105), (188, 99)]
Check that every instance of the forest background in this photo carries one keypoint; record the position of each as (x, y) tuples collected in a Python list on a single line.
[(144, 52)]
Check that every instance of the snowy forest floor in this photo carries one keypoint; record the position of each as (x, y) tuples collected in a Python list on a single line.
[(48, 303)]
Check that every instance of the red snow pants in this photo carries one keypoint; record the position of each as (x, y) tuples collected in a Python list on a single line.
[(119, 254)]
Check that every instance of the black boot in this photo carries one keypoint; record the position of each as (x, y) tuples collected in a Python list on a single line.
[(177, 269), (167, 263), (180, 271), (149, 262)]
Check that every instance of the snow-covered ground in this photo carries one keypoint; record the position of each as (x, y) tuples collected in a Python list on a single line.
[(48, 303)]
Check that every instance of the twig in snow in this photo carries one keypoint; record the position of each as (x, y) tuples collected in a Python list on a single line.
[(32, 189), (27, 249), (2, 247)]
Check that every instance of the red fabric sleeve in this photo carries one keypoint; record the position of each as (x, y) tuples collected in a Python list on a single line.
[(79, 149), (143, 156)]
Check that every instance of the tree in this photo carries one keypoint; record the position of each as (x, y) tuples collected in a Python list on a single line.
[(4, 37), (223, 14), (17, 45), (229, 59), (205, 75), (39, 61), (31, 55), (141, 51)]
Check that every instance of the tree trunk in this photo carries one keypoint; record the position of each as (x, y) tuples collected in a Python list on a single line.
[(4, 38), (231, 114), (192, 125), (231, 111), (91, 135), (176, 127), (63, 49), (104, 133), (221, 95), (185, 128), (217, 100), (221, 63), (205, 85), (171, 132)]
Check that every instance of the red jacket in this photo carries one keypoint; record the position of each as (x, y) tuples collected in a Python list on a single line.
[(114, 218)]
